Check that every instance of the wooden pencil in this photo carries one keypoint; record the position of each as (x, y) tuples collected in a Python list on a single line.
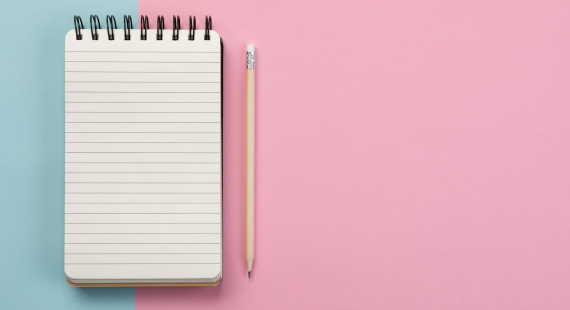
[(250, 157)]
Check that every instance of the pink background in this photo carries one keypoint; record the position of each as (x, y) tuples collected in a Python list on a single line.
[(410, 155)]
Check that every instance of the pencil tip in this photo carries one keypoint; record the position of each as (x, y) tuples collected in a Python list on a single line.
[(249, 274)]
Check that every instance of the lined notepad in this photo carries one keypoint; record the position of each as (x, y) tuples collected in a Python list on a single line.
[(143, 158)]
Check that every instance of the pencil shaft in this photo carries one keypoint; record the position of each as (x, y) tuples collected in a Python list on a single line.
[(250, 167)]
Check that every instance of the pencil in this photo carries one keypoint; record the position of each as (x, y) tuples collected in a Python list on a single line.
[(250, 156)]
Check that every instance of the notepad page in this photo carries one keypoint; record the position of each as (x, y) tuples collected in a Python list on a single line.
[(143, 158)]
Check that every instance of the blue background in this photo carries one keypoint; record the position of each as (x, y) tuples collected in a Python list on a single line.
[(32, 45)]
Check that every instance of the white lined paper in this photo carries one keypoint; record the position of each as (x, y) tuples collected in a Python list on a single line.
[(143, 158)]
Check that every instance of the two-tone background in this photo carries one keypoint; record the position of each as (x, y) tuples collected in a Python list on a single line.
[(410, 155)]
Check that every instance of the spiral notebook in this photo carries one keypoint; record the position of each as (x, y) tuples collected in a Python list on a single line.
[(143, 155)]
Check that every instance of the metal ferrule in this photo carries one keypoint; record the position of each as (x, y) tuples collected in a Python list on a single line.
[(250, 60)]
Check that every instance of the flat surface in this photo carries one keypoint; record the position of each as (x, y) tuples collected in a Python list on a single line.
[(410, 155), (138, 209), (443, 123), (32, 55)]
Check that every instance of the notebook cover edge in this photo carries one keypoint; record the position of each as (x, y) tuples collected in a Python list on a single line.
[(158, 284)]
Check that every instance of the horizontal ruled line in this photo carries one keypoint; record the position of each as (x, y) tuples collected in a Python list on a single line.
[(134, 203), (182, 72), (128, 82), (144, 152), (173, 112), (142, 243), (166, 132), (143, 193), (143, 102), (143, 162), (146, 213), (143, 203), (146, 223), (137, 51), (140, 253), (148, 62), (142, 92), (141, 123), (142, 233), (159, 142), (161, 172), (141, 263), (143, 182)]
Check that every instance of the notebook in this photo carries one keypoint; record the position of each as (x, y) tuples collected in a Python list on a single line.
[(143, 156)]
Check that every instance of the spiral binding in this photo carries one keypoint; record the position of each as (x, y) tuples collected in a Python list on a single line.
[(144, 26), (128, 25), (192, 28), (95, 25), (208, 27), (175, 27), (159, 27), (111, 20), (77, 22)]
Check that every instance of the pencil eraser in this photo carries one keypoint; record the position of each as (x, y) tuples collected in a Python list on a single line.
[(251, 48)]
